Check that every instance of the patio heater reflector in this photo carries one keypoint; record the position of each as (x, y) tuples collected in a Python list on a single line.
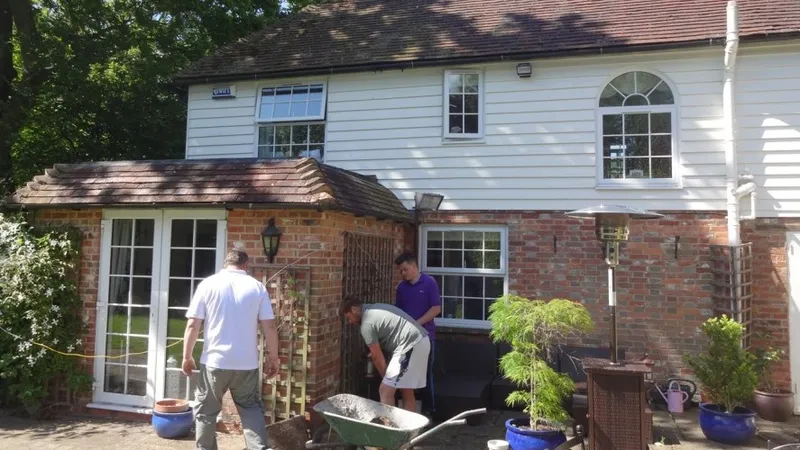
[(611, 227)]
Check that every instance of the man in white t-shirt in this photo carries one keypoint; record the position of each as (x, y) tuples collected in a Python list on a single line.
[(229, 307)]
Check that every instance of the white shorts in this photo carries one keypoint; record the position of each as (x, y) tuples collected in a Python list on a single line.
[(409, 370)]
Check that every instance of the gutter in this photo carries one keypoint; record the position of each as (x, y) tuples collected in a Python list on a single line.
[(506, 57)]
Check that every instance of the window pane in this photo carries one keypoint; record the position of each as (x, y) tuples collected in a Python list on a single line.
[(118, 290), (471, 83), (114, 381), (612, 168), (299, 94), (625, 83), (494, 287), (491, 260), (471, 124), (471, 104), (283, 135), (314, 109), (487, 304), (138, 349), (182, 233), (612, 146), (473, 259), (453, 259), (492, 240), (661, 123), (473, 287), (434, 258), (300, 134), (281, 110), (266, 135), (265, 151), (638, 168), (143, 261), (317, 134), (473, 240), (434, 239), (142, 288), (204, 263), (456, 103), (117, 319), (283, 94), (315, 152), (661, 95), (180, 264), (268, 95), (636, 123), (661, 145), (176, 323), (612, 124), (298, 109), (137, 381), (206, 234), (315, 93), (662, 167), (140, 321), (452, 286), (610, 97), (121, 261), (456, 123), (637, 146), (267, 110), (145, 228), (635, 100), (455, 82), (452, 308), (452, 239), (179, 292), (645, 82), (282, 151), (473, 309), (121, 232)]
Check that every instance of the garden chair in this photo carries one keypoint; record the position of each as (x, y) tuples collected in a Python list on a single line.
[(577, 439)]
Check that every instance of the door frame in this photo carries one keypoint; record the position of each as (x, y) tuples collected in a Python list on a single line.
[(101, 308), (793, 277)]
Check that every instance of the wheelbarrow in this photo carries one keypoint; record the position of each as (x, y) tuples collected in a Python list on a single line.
[(352, 418)]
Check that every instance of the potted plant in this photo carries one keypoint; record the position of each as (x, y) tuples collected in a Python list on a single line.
[(770, 402), (534, 329), (728, 374)]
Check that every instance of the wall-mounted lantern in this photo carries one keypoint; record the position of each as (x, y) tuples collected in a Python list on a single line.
[(271, 240), (524, 70)]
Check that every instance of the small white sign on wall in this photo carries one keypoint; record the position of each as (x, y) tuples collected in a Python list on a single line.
[(223, 92)]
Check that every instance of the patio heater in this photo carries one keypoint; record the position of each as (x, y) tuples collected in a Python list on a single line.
[(611, 226)]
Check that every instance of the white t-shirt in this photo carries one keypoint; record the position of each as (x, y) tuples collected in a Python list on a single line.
[(231, 303)]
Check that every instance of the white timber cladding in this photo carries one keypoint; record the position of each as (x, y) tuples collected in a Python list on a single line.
[(767, 111), (539, 146)]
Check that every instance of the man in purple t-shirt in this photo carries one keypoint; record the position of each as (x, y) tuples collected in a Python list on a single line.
[(418, 296)]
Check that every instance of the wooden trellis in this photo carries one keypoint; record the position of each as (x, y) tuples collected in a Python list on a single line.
[(732, 267)]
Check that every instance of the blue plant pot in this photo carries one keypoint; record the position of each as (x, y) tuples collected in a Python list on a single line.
[(173, 425), (520, 439), (734, 428)]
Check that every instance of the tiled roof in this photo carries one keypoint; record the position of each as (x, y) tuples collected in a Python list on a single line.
[(293, 183), (352, 35)]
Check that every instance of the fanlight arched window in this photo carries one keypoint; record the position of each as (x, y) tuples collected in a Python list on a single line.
[(638, 120)]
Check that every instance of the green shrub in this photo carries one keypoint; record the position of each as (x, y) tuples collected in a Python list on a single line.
[(39, 302), (534, 329), (726, 370)]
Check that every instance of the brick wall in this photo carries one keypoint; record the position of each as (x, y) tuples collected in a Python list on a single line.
[(661, 299)]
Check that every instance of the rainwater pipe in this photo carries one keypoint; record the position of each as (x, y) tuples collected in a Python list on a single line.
[(734, 192)]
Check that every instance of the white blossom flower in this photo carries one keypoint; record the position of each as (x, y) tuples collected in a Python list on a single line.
[(49, 293), (55, 341), (78, 342), (70, 348), (31, 360), (53, 308), (24, 346)]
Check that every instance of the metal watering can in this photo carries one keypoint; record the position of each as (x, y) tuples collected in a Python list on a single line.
[(674, 396)]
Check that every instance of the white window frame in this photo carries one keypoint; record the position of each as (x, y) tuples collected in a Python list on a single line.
[(502, 271), (317, 118), (454, 137), (291, 124), (676, 182)]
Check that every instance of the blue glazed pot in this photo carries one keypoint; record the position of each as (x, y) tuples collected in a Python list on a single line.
[(733, 428), (529, 439), (173, 425)]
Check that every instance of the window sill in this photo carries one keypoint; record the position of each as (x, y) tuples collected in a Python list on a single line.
[(463, 141), (121, 408), (635, 184), (458, 325), (474, 330)]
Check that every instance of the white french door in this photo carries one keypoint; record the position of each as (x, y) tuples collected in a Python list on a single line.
[(151, 262), (793, 260)]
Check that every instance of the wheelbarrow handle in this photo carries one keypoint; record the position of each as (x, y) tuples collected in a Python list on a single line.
[(457, 420), (313, 445)]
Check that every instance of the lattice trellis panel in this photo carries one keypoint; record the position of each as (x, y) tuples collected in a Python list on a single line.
[(732, 267)]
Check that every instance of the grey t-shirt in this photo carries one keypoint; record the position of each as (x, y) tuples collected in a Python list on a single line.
[(393, 329)]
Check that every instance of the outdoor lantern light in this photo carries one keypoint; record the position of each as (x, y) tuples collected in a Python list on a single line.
[(524, 70), (611, 226), (271, 239), (427, 202)]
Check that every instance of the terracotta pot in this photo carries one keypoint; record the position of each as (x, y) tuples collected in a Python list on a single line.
[(774, 406), (704, 398), (171, 405)]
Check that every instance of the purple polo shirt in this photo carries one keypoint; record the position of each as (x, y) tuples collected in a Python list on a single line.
[(416, 299)]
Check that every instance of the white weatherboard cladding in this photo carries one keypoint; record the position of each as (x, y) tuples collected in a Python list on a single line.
[(768, 121), (539, 149)]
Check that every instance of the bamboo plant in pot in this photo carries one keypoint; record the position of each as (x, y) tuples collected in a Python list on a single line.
[(770, 402), (728, 375), (534, 329)]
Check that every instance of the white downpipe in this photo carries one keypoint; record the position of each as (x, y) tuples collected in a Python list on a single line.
[(731, 169)]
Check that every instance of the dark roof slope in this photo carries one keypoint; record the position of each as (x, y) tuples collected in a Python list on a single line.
[(352, 35), (295, 183)]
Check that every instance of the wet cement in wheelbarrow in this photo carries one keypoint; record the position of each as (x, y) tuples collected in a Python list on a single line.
[(383, 420)]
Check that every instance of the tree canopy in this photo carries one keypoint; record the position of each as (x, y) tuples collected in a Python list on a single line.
[(89, 80)]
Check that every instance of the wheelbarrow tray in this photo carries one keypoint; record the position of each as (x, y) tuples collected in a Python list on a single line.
[(350, 416)]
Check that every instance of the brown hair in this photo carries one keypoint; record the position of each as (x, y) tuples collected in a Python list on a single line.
[(236, 257), (349, 303), (406, 257)]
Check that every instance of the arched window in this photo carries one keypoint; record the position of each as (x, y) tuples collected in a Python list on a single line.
[(638, 121)]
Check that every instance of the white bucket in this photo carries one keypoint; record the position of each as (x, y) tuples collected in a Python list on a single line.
[(497, 444)]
